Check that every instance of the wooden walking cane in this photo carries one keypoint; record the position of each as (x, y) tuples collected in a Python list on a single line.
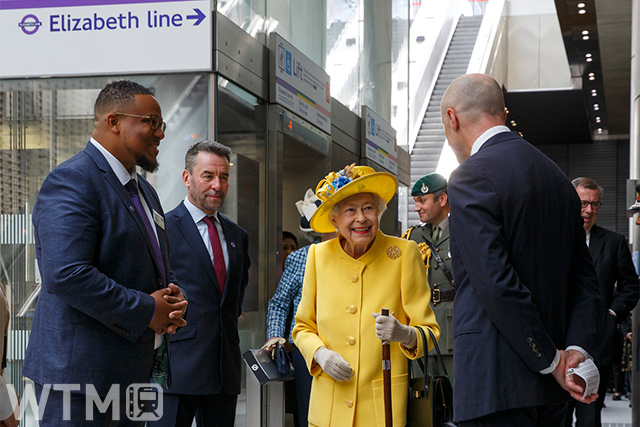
[(386, 377)]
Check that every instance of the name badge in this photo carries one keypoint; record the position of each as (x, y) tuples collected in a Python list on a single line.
[(158, 219)]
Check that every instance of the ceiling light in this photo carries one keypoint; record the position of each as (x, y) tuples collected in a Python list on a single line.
[(598, 119), (596, 107), (599, 130), (594, 93), (589, 59), (587, 55), (592, 78), (591, 74), (580, 5), (582, 11), (585, 32), (585, 37)]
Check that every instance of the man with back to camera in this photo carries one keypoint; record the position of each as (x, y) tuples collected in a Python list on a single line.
[(525, 310), (432, 236), (209, 255), (619, 288), (102, 251)]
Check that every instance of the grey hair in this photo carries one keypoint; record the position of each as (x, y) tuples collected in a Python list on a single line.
[(379, 204), (207, 147), (437, 194), (588, 183)]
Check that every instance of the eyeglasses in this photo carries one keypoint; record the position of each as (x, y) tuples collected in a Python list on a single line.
[(154, 121), (594, 205)]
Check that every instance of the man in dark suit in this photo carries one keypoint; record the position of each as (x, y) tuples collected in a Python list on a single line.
[(103, 256), (205, 356), (619, 289), (432, 205), (526, 306)]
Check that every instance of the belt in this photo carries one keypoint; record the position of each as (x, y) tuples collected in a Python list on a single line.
[(441, 296)]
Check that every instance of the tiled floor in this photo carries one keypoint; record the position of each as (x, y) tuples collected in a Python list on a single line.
[(617, 413)]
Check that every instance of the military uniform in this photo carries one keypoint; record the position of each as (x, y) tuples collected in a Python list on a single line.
[(442, 292)]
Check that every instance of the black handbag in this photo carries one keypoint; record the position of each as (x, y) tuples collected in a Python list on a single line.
[(285, 367), (430, 396)]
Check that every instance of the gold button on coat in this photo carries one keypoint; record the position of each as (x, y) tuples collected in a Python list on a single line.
[(351, 340), (354, 278), (349, 403), (353, 309)]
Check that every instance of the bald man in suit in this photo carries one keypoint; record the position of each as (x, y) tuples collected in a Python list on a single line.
[(525, 310)]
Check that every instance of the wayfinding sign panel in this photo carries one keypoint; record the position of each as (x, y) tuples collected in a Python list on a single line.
[(379, 143), (97, 37), (299, 84)]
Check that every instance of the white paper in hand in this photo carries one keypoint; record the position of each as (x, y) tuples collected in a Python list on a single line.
[(588, 371)]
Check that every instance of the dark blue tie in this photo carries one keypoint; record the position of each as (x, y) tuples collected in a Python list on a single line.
[(132, 187)]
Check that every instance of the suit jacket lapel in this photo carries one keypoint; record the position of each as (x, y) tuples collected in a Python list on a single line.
[(230, 237), (596, 244), (145, 189), (192, 236), (123, 194)]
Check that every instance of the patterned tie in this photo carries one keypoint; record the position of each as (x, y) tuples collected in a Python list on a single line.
[(132, 187), (435, 234), (218, 257)]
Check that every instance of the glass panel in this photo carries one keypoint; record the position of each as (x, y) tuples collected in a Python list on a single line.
[(401, 13), (247, 14), (241, 125), (344, 50), (300, 23)]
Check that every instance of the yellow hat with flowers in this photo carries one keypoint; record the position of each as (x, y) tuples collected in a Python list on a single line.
[(337, 186)]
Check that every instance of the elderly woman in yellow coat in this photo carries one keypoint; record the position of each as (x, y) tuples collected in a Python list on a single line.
[(347, 281)]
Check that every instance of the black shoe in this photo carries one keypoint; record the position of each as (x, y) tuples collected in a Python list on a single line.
[(603, 405), (617, 397)]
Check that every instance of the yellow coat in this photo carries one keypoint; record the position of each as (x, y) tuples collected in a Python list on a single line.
[(338, 296)]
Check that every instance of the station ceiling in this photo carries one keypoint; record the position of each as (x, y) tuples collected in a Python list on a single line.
[(597, 39)]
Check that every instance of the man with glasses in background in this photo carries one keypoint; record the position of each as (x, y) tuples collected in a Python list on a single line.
[(108, 293), (619, 289)]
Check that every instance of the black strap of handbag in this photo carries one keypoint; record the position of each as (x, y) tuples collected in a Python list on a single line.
[(425, 365), (440, 262)]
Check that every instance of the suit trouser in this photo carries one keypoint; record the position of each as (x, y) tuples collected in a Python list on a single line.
[(532, 416), (303, 385), (69, 409), (217, 410)]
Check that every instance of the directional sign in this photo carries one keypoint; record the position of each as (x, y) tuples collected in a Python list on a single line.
[(379, 140), (298, 84), (97, 37)]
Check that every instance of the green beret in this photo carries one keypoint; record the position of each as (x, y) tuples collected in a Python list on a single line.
[(429, 184)]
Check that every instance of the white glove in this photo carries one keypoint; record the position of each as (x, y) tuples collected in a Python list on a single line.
[(389, 329), (271, 344), (333, 364)]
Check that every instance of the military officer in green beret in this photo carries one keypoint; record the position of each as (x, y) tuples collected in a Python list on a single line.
[(432, 235)]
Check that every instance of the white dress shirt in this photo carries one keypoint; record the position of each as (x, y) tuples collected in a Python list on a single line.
[(197, 215)]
